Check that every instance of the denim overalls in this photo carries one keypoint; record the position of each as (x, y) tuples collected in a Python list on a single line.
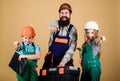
[(57, 50)]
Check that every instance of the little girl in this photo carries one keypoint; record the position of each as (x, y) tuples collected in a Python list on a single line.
[(91, 67), (27, 49)]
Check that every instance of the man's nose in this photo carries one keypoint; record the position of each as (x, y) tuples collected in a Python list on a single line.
[(63, 14)]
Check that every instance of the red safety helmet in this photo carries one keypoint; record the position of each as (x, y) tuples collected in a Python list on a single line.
[(28, 31)]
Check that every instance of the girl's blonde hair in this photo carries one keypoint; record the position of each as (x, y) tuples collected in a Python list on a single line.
[(95, 36)]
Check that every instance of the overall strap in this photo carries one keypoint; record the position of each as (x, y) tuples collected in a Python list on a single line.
[(70, 27), (23, 47), (24, 51)]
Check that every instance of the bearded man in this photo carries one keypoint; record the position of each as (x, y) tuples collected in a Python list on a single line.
[(63, 40)]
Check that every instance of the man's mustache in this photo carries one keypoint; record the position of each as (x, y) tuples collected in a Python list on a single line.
[(64, 17)]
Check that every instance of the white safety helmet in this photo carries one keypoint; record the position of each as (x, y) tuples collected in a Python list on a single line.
[(91, 25)]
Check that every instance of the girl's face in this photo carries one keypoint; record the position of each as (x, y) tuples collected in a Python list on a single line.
[(90, 34), (27, 40)]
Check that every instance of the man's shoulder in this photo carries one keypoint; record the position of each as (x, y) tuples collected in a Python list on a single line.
[(73, 27)]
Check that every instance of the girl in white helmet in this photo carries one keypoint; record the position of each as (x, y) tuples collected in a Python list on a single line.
[(91, 67)]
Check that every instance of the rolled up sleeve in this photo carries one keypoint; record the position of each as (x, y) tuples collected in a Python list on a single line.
[(72, 45)]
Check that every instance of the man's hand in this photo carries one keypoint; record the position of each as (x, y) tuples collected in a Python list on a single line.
[(61, 64), (54, 28)]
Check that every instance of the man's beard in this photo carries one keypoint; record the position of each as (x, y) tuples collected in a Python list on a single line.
[(64, 22)]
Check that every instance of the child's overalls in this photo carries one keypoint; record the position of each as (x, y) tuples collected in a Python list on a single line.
[(91, 67), (57, 50), (29, 73)]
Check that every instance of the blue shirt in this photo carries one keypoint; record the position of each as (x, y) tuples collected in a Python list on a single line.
[(28, 48)]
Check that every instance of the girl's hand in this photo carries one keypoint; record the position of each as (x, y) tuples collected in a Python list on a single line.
[(102, 38), (21, 56), (17, 45), (80, 61)]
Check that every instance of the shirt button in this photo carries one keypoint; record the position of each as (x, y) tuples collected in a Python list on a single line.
[(88, 61), (94, 65), (94, 61)]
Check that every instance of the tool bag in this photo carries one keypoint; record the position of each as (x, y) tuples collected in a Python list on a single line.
[(16, 65), (69, 73)]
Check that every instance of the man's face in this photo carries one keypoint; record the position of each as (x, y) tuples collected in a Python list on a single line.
[(64, 14)]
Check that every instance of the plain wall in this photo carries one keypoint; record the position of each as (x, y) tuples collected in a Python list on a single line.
[(15, 14)]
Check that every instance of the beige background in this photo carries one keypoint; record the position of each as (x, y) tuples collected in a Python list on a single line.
[(14, 14)]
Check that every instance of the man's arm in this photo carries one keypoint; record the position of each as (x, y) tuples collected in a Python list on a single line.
[(72, 47), (53, 29)]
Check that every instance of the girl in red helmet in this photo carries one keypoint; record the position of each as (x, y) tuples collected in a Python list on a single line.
[(27, 49)]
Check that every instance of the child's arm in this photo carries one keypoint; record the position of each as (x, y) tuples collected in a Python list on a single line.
[(100, 39), (80, 54), (16, 45), (35, 56)]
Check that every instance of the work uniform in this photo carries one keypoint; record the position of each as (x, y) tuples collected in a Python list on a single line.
[(91, 67), (29, 73), (59, 46)]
